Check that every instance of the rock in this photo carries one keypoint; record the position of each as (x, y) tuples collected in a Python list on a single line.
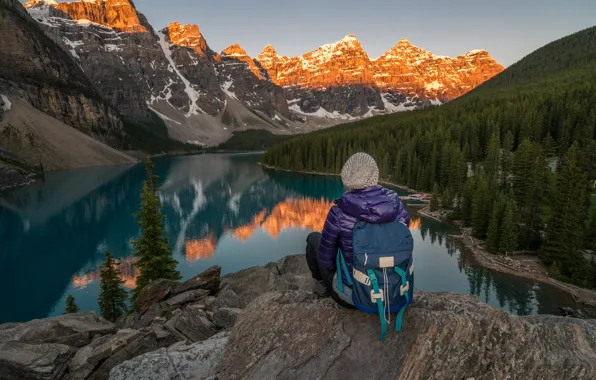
[(75, 330), (155, 311), (191, 324), (197, 361), (86, 359), (250, 283), (25, 361), (186, 297), (141, 345), (210, 302), (155, 292), (226, 317), (162, 290), (226, 298), (209, 279), (296, 335)]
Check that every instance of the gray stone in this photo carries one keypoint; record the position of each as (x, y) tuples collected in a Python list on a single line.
[(209, 279), (75, 330), (210, 302), (226, 317), (155, 292), (186, 297), (43, 361), (191, 324), (197, 361), (142, 344), (296, 335), (86, 359), (290, 273), (226, 298)]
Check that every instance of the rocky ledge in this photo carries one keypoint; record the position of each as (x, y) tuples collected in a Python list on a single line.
[(271, 322)]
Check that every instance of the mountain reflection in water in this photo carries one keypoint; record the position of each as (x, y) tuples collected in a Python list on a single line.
[(220, 210)]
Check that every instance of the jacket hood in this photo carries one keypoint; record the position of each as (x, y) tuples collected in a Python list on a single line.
[(375, 204)]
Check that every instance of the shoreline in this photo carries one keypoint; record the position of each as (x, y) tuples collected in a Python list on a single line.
[(509, 265), (402, 187), (503, 264)]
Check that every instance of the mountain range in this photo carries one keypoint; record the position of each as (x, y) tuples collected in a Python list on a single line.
[(130, 78)]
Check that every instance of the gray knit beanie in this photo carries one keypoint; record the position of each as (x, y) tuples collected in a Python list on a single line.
[(360, 172)]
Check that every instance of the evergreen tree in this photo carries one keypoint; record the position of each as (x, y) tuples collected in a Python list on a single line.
[(71, 306), (480, 209), (590, 230), (434, 201), (152, 249), (493, 235), (112, 298), (564, 230), (447, 199), (509, 228)]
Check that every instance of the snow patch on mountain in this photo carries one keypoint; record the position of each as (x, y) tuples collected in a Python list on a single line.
[(391, 108), (162, 116), (192, 94), (7, 104), (73, 45), (322, 113), (226, 88)]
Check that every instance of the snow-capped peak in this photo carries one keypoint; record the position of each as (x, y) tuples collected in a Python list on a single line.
[(234, 50), (476, 51), (350, 38), (32, 3)]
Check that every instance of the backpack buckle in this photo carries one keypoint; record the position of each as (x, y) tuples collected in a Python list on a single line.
[(404, 289), (375, 296)]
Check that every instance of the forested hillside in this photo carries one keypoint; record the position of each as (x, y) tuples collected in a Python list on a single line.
[(515, 158)]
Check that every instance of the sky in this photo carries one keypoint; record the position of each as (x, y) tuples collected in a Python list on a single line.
[(508, 29)]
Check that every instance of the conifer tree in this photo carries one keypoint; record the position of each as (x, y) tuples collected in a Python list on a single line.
[(447, 199), (564, 230), (493, 235), (509, 228), (112, 298), (434, 200), (71, 306), (480, 209), (151, 248)]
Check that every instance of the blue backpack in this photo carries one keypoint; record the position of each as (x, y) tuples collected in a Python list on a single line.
[(382, 279)]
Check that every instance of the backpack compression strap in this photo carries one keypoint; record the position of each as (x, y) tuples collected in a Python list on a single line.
[(377, 297), (342, 267), (404, 290)]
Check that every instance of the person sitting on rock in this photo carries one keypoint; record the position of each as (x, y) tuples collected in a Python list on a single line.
[(363, 201)]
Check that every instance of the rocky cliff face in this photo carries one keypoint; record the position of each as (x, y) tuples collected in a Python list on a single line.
[(172, 72), (204, 96), (403, 78), (35, 69), (243, 79)]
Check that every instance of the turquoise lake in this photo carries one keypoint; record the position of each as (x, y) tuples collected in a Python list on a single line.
[(221, 210)]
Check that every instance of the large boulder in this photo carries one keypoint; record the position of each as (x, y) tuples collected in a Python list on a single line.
[(25, 361), (297, 335), (225, 317), (144, 343), (191, 324), (88, 357), (161, 290), (75, 330), (289, 273), (196, 361)]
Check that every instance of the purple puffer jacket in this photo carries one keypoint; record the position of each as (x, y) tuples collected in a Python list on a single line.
[(375, 204)]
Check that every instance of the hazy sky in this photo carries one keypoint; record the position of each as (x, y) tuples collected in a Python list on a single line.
[(508, 29)]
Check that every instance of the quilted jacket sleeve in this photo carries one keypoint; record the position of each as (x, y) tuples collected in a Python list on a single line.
[(328, 247), (402, 213)]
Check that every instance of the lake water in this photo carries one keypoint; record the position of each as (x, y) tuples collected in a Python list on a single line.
[(221, 209)]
